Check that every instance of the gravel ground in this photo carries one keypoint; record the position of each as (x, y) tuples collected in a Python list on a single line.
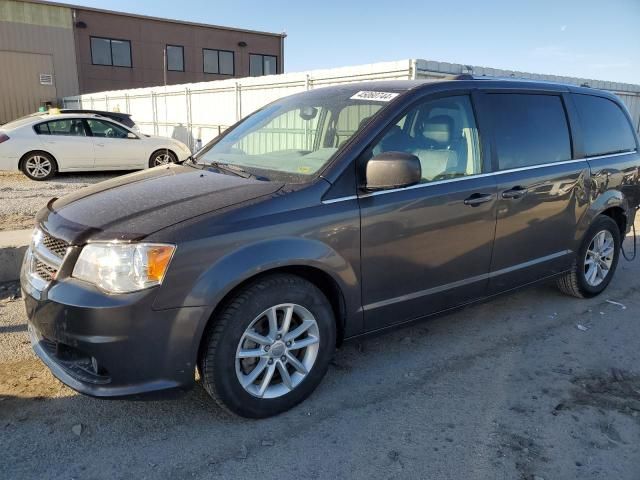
[(21, 198), (533, 385)]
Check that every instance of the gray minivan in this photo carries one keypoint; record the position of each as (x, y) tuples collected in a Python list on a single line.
[(323, 216)]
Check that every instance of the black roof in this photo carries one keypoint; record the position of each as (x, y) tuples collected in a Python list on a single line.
[(465, 80)]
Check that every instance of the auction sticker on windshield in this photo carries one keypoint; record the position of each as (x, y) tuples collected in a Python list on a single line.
[(376, 96)]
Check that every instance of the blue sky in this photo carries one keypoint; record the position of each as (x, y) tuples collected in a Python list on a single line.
[(588, 38)]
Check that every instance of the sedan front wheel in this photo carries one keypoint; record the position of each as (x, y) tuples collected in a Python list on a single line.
[(162, 157)]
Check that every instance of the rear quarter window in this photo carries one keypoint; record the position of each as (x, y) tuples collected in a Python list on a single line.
[(605, 127), (42, 129)]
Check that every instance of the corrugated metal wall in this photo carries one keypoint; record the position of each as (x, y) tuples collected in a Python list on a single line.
[(21, 91), (33, 31), (203, 110)]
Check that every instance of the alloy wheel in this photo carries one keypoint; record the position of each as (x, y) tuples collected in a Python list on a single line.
[(277, 350), (162, 159), (38, 166), (599, 258)]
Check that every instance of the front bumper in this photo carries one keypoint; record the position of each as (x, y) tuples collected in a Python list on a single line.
[(112, 345)]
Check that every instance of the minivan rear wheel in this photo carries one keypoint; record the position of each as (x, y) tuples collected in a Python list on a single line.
[(596, 261), (269, 347)]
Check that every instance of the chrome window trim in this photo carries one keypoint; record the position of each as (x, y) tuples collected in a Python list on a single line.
[(478, 175), (619, 154), (489, 174), (339, 199)]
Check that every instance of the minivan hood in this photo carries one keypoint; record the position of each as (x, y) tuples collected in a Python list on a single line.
[(133, 206)]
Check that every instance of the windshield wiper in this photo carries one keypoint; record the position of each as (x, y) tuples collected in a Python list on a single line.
[(229, 167)]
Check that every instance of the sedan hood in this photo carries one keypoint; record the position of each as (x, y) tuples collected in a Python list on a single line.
[(136, 205)]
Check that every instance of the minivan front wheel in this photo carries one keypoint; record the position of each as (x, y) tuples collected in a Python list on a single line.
[(596, 262), (269, 347)]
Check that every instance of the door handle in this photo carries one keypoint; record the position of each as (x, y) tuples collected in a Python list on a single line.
[(99, 144), (478, 199), (515, 193)]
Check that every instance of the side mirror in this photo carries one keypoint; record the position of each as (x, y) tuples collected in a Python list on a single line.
[(132, 135), (393, 170)]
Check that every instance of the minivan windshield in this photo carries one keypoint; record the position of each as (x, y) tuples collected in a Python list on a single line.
[(293, 138)]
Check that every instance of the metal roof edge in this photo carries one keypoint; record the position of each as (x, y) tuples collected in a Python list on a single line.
[(157, 19)]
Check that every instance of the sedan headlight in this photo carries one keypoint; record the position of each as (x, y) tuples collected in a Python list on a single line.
[(123, 267)]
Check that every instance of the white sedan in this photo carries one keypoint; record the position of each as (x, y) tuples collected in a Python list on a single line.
[(42, 145)]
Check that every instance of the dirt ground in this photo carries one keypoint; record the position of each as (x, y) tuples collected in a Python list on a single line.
[(21, 198), (532, 385)]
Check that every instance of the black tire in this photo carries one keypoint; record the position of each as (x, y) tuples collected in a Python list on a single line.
[(28, 161), (574, 282), (164, 153), (217, 362)]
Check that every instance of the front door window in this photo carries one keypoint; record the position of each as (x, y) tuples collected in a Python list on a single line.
[(442, 133)]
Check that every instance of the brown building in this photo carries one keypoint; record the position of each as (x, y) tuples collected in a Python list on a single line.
[(49, 51)]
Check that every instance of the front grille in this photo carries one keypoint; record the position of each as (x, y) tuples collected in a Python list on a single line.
[(45, 257), (55, 246), (44, 271)]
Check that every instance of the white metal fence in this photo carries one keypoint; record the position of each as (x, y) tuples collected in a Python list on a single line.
[(203, 110)]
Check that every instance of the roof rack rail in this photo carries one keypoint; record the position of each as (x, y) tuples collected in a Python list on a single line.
[(459, 76)]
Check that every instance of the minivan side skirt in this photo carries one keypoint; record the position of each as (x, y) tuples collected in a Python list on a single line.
[(441, 313), (466, 281)]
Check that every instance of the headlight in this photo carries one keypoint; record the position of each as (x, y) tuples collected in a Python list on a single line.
[(123, 267)]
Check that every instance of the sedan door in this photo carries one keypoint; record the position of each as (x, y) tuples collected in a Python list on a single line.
[(67, 140), (428, 247), (543, 189), (114, 148)]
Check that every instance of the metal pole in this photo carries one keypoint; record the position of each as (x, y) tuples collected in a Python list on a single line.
[(154, 109), (166, 110), (238, 102), (187, 99)]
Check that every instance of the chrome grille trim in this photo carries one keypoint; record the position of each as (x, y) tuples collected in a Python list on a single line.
[(45, 257), (44, 271), (55, 246)]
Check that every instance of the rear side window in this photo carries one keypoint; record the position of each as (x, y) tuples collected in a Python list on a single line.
[(529, 129), (605, 127), (64, 127)]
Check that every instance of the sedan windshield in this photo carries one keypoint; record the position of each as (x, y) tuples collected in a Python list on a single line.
[(293, 138)]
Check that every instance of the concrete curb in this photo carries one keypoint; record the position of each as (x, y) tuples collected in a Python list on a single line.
[(13, 244)]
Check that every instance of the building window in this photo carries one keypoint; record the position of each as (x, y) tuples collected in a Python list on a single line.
[(107, 51), (218, 61), (175, 58), (262, 65)]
